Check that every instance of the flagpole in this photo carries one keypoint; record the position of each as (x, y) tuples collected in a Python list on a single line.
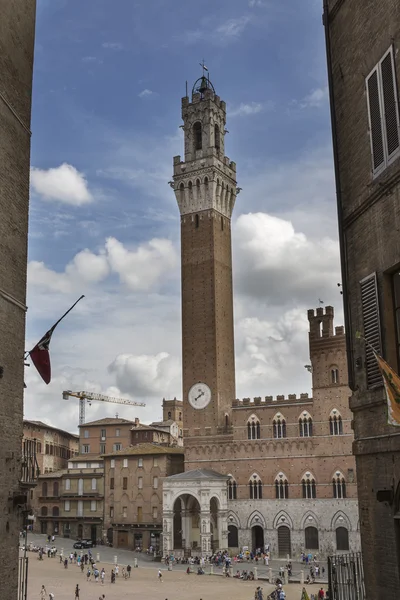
[(68, 311)]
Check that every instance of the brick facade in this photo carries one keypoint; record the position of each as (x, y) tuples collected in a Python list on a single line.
[(16, 63), (289, 459), (54, 447), (359, 34)]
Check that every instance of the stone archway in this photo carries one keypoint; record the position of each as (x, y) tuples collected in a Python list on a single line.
[(186, 524), (195, 509), (257, 538)]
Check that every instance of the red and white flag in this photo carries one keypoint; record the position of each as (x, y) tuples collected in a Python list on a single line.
[(40, 354)]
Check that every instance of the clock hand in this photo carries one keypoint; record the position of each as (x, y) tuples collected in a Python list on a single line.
[(200, 395)]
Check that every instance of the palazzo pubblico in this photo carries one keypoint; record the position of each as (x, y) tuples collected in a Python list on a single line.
[(276, 471)]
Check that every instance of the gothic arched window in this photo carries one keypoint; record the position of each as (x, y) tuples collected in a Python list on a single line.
[(309, 486), (335, 423), (232, 489), (305, 425), (255, 488), (339, 485), (197, 136), (281, 487), (279, 426), (253, 428)]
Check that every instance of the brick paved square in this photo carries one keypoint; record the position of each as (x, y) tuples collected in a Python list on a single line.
[(176, 585)]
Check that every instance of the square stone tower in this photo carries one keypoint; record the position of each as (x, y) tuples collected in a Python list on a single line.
[(205, 189)]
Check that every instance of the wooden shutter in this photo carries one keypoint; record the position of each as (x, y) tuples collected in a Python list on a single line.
[(375, 120), (372, 329), (390, 108)]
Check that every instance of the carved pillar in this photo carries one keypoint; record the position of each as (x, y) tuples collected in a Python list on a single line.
[(205, 533), (168, 532), (186, 529), (223, 529)]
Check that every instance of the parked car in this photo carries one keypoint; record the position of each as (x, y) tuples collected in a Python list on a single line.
[(83, 544)]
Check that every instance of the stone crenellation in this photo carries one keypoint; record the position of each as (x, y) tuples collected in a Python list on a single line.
[(266, 400)]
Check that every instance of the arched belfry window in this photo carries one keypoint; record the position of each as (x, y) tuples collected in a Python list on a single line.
[(281, 487), (309, 486), (335, 423), (279, 426), (232, 489), (255, 487), (197, 136), (253, 428), (334, 374), (217, 137), (305, 425), (339, 485)]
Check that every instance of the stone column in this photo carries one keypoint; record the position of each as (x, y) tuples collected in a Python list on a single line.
[(223, 529), (168, 532), (205, 533), (186, 529)]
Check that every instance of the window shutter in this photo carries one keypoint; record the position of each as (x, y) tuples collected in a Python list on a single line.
[(375, 120), (372, 329), (390, 103)]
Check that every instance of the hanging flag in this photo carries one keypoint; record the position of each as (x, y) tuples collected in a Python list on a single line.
[(392, 388), (40, 353)]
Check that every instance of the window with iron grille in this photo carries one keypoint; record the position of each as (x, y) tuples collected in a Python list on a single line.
[(383, 113), (372, 328)]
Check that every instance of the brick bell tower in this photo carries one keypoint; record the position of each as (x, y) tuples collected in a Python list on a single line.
[(205, 189)]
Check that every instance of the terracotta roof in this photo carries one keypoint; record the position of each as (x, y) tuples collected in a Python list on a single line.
[(140, 449), (53, 474), (108, 421), (85, 458), (45, 426), (162, 423)]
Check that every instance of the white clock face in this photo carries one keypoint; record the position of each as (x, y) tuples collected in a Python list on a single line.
[(199, 395)]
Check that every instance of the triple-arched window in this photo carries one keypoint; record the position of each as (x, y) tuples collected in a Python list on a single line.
[(255, 487), (309, 486), (339, 485), (279, 426), (281, 487), (335, 423), (232, 489), (305, 425), (253, 428)]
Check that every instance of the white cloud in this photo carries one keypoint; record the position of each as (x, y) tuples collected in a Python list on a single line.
[(145, 93), (280, 266), (64, 184), (244, 110), (232, 28), (226, 32), (112, 45), (316, 98), (141, 269), (147, 375)]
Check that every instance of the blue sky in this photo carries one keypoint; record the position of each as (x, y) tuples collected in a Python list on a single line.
[(108, 81)]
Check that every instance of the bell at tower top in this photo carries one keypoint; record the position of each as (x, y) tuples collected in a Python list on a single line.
[(206, 178)]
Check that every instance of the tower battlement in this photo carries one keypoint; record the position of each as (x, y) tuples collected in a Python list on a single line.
[(269, 400), (321, 323)]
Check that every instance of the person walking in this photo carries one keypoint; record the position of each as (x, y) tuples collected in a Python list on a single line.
[(128, 569), (112, 576), (159, 575), (77, 592), (43, 593), (116, 570), (321, 594), (102, 576)]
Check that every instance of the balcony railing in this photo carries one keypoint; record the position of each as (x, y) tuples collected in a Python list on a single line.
[(29, 464)]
